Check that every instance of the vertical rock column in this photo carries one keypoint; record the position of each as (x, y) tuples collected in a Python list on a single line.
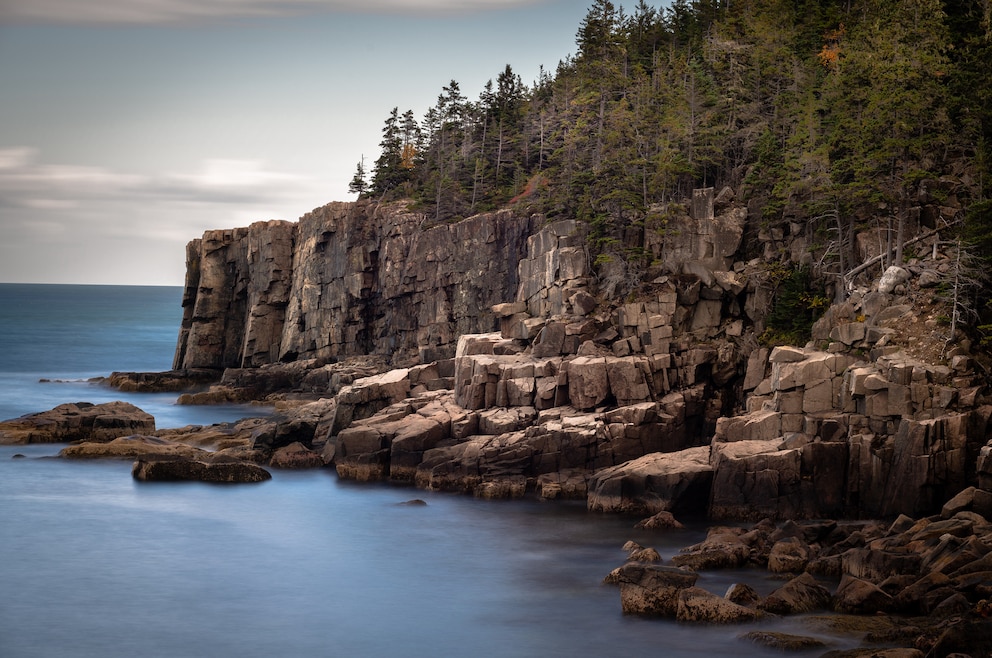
[(270, 273), (214, 302)]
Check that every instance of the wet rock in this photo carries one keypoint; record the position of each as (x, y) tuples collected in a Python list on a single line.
[(801, 594), (742, 594), (790, 555), (856, 596), (661, 521), (782, 641), (697, 605), (192, 470), (722, 549), (649, 589), (969, 637), (134, 447), (296, 456)]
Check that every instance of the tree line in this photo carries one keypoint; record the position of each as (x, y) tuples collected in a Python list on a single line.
[(828, 112)]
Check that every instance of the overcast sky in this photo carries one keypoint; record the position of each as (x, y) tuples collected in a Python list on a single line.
[(128, 127)]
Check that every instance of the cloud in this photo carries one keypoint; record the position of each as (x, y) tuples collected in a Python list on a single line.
[(174, 12), (26, 183), (82, 223)]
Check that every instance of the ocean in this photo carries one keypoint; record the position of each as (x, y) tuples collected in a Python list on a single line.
[(95, 564)]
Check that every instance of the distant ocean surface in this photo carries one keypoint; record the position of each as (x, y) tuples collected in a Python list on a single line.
[(68, 334), (94, 564)]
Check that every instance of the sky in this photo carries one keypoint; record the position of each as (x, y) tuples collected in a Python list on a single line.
[(130, 127)]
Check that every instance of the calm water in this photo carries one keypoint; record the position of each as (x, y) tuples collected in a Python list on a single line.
[(93, 563)]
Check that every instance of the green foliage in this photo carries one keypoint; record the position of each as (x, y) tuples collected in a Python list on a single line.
[(809, 104), (797, 306)]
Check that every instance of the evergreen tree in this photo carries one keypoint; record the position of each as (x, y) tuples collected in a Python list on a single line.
[(359, 185), (390, 173)]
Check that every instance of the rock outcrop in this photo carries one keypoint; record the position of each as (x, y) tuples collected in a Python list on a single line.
[(80, 421), (927, 579)]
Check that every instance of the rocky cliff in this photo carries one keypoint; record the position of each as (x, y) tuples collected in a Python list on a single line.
[(517, 371), (347, 279)]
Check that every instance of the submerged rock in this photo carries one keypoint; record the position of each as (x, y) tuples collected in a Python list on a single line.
[(783, 641)]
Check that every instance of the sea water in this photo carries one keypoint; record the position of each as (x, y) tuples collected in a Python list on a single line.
[(95, 564)]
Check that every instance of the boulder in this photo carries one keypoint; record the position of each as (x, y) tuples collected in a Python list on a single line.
[(790, 555), (723, 548), (188, 469), (296, 456), (658, 482), (651, 589), (891, 278), (860, 597), (742, 594), (697, 605), (661, 521), (801, 594)]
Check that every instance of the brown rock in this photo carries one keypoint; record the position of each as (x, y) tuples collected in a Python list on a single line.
[(654, 483), (80, 421), (783, 641), (186, 469), (134, 447), (789, 555), (296, 456), (801, 594), (662, 520), (860, 597), (698, 605), (647, 589)]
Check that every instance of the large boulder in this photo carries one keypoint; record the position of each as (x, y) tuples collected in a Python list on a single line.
[(659, 482), (296, 456), (79, 421), (193, 470), (801, 594), (696, 604), (651, 589), (723, 548)]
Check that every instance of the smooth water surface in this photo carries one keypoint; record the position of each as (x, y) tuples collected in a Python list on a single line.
[(57, 337), (96, 564)]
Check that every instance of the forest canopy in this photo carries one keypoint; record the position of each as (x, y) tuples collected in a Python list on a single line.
[(812, 110)]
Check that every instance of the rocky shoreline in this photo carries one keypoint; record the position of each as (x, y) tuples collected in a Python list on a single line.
[(391, 353)]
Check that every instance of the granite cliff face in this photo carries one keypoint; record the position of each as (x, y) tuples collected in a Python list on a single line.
[(347, 279), (514, 371)]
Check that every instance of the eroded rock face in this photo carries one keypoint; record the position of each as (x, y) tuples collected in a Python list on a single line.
[(79, 421), (236, 292), (347, 279)]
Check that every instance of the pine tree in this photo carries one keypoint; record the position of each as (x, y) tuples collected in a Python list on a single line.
[(359, 185)]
